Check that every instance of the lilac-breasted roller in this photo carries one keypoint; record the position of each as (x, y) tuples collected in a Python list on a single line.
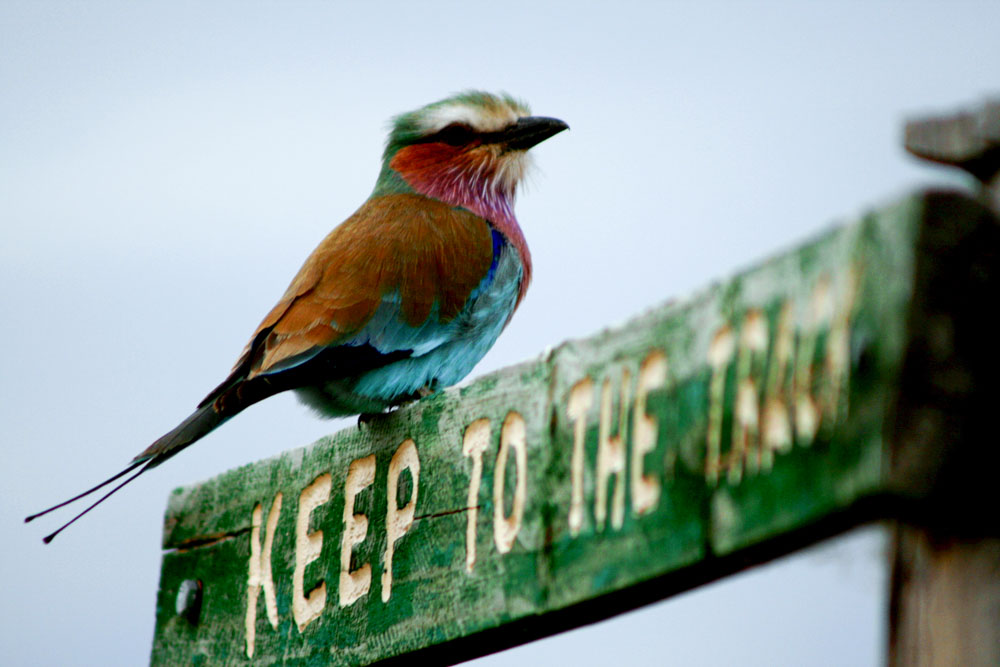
[(406, 295)]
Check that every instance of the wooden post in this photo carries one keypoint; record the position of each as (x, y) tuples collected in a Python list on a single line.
[(945, 606), (945, 600)]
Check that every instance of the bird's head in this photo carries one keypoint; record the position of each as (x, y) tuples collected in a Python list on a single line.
[(468, 150)]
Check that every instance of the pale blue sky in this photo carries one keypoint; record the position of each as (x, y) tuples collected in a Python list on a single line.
[(166, 167)]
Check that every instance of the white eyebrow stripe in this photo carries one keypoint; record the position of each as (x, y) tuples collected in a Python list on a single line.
[(479, 119)]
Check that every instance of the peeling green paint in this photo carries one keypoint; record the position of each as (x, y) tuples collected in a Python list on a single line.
[(706, 505)]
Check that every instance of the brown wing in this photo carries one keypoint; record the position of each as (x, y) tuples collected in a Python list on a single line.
[(426, 250)]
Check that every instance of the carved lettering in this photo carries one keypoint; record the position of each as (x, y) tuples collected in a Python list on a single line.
[(355, 584), (745, 451), (787, 380), (776, 419), (260, 571), (720, 353), (837, 364), (512, 436), (581, 398), (306, 609), (474, 443), (611, 455), (797, 400), (646, 488), (807, 414), (399, 519)]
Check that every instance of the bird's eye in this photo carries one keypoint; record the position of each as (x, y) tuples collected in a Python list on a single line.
[(456, 134)]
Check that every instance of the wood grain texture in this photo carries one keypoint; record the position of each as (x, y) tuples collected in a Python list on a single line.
[(698, 438), (947, 601)]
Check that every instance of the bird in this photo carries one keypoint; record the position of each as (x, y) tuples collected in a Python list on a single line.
[(406, 295)]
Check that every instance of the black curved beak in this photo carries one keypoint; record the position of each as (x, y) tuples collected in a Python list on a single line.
[(529, 131)]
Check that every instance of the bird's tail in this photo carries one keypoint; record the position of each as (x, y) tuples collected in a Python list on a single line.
[(201, 422), (236, 393)]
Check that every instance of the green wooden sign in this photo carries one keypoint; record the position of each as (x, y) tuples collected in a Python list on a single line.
[(697, 438)]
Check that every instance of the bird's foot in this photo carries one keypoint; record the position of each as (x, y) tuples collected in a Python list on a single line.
[(369, 418)]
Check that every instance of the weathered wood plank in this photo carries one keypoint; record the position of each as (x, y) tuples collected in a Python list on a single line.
[(697, 438)]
